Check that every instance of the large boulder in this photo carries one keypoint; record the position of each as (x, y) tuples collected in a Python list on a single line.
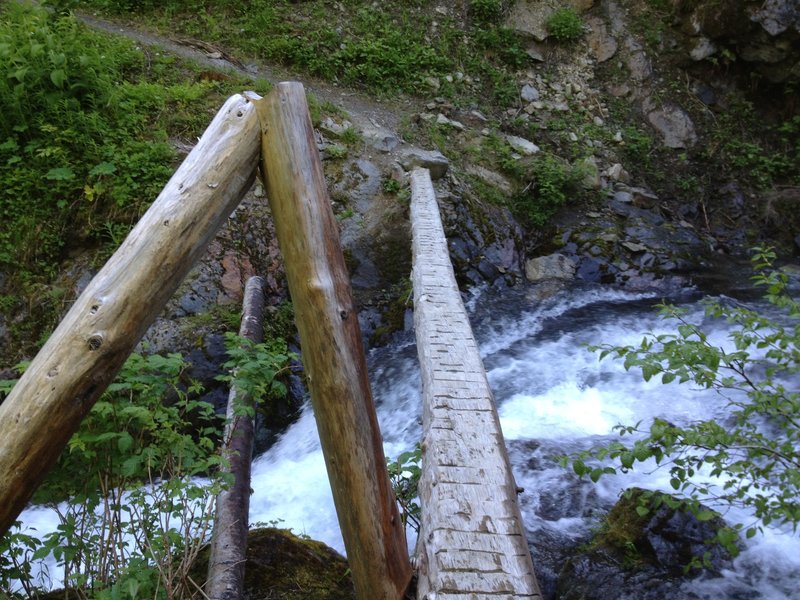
[(646, 555)]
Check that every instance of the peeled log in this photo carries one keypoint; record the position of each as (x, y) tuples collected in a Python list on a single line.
[(229, 542), (106, 322), (332, 349)]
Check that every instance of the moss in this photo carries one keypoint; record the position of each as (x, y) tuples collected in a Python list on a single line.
[(281, 565)]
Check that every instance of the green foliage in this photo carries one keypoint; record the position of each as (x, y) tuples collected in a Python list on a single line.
[(404, 474), (256, 369), (137, 513), (757, 449), (564, 25), (552, 181), (485, 11)]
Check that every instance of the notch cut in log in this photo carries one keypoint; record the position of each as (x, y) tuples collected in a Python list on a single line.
[(332, 348), (226, 563), (87, 349)]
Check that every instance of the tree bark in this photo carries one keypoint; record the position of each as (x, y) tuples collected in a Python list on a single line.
[(332, 349), (93, 340), (229, 541)]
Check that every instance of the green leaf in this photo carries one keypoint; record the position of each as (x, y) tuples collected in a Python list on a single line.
[(705, 515), (104, 168), (58, 77), (60, 174), (642, 511)]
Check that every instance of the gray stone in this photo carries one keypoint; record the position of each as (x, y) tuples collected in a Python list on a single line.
[(528, 93), (535, 53), (702, 49), (553, 266), (528, 18), (433, 160), (380, 138), (674, 125), (617, 172), (522, 145), (492, 178), (634, 247), (332, 128), (602, 45), (776, 16)]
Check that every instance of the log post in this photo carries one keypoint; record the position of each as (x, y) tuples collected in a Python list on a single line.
[(91, 343), (229, 541), (332, 349)]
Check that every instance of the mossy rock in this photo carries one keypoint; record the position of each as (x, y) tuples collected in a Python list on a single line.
[(642, 528), (281, 565)]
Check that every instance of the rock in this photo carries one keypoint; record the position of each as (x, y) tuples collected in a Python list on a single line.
[(634, 247), (282, 565), (433, 160), (534, 52), (601, 44), (582, 5), (617, 172), (554, 266), (433, 82), (591, 174), (703, 48), (528, 18), (528, 93), (332, 128), (442, 120), (380, 139), (522, 145), (492, 178), (643, 198), (637, 61), (643, 555), (776, 16), (674, 125)]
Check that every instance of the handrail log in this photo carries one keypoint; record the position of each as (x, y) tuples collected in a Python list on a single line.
[(471, 541), (332, 349), (94, 339)]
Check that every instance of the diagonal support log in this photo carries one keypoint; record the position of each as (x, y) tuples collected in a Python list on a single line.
[(332, 349), (85, 352)]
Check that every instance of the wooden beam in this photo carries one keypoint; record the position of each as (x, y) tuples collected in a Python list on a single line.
[(91, 343), (332, 349), (229, 540), (472, 541)]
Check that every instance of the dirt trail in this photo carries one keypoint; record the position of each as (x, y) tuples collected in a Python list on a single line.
[(364, 111)]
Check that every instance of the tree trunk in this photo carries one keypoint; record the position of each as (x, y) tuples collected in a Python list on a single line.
[(332, 349), (106, 322), (229, 541)]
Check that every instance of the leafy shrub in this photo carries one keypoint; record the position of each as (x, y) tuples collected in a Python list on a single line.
[(485, 11), (139, 479), (552, 180), (564, 25), (71, 145)]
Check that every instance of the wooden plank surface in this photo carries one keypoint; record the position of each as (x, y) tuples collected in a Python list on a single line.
[(91, 343), (472, 540)]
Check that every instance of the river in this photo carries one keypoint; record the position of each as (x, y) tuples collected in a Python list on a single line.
[(554, 397)]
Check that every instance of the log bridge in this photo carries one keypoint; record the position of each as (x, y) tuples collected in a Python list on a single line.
[(472, 543)]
